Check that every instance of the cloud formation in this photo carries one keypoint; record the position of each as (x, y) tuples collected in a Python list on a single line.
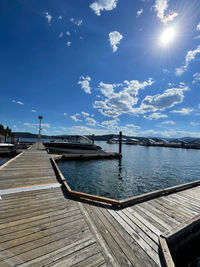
[(18, 102), (122, 101), (77, 22), (194, 123), (183, 111), (168, 122), (198, 27), (48, 17), (74, 117), (69, 43), (90, 121), (169, 17), (189, 57), (155, 116), (60, 35), (101, 5), (196, 77), (85, 84), (163, 101), (160, 7), (139, 12), (115, 38)]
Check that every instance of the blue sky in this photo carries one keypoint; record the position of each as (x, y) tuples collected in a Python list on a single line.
[(100, 66)]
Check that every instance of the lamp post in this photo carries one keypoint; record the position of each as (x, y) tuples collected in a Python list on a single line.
[(39, 134)]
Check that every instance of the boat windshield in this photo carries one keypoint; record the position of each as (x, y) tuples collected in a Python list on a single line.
[(78, 140)]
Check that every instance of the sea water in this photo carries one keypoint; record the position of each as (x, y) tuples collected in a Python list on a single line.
[(142, 169)]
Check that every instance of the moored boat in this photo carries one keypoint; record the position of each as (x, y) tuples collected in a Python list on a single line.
[(7, 149), (73, 144)]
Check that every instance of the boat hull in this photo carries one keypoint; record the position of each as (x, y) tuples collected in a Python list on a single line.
[(73, 148), (7, 150)]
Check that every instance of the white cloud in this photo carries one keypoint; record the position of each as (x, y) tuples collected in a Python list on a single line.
[(101, 5), (169, 17), (85, 84), (139, 12), (194, 123), (33, 110), (168, 99), (165, 70), (77, 22), (111, 124), (198, 27), (196, 77), (74, 117), (189, 57), (114, 38), (155, 116), (60, 35), (46, 125), (197, 37), (160, 7), (65, 114), (90, 121), (168, 122), (68, 33), (122, 101), (85, 114), (60, 17), (69, 43), (18, 102), (48, 17), (134, 86), (183, 111), (35, 125)]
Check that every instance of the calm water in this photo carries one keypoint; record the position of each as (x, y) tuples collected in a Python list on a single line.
[(4, 159), (141, 170)]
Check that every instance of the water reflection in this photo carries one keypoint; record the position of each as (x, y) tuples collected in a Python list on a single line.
[(120, 169), (140, 170)]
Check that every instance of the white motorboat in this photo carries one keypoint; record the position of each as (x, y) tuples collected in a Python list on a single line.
[(73, 144), (7, 149)]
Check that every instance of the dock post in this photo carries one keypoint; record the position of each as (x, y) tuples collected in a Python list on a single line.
[(93, 138), (39, 134), (120, 142)]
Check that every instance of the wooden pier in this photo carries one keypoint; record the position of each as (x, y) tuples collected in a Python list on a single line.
[(41, 225)]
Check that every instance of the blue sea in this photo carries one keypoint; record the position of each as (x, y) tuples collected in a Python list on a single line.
[(141, 170)]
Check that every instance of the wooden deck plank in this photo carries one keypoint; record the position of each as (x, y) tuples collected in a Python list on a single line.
[(45, 227), (127, 244), (113, 246), (142, 243)]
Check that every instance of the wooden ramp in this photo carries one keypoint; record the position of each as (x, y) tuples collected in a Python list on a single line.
[(43, 227)]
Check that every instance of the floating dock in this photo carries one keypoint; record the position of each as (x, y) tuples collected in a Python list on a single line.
[(41, 225)]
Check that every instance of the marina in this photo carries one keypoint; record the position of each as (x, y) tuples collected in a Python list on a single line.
[(42, 224)]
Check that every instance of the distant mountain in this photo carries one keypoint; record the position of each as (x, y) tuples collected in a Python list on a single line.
[(28, 135)]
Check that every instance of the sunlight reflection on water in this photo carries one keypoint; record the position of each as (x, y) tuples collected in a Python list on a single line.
[(141, 170)]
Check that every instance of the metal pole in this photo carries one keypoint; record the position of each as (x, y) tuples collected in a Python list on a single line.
[(93, 138), (39, 134), (120, 142)]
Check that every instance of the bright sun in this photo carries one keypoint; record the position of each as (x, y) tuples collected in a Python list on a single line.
[(167, 36)]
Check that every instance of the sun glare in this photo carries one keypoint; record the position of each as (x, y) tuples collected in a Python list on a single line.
[(167, 36)]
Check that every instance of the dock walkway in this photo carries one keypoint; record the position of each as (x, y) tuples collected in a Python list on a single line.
[(42, 226)]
